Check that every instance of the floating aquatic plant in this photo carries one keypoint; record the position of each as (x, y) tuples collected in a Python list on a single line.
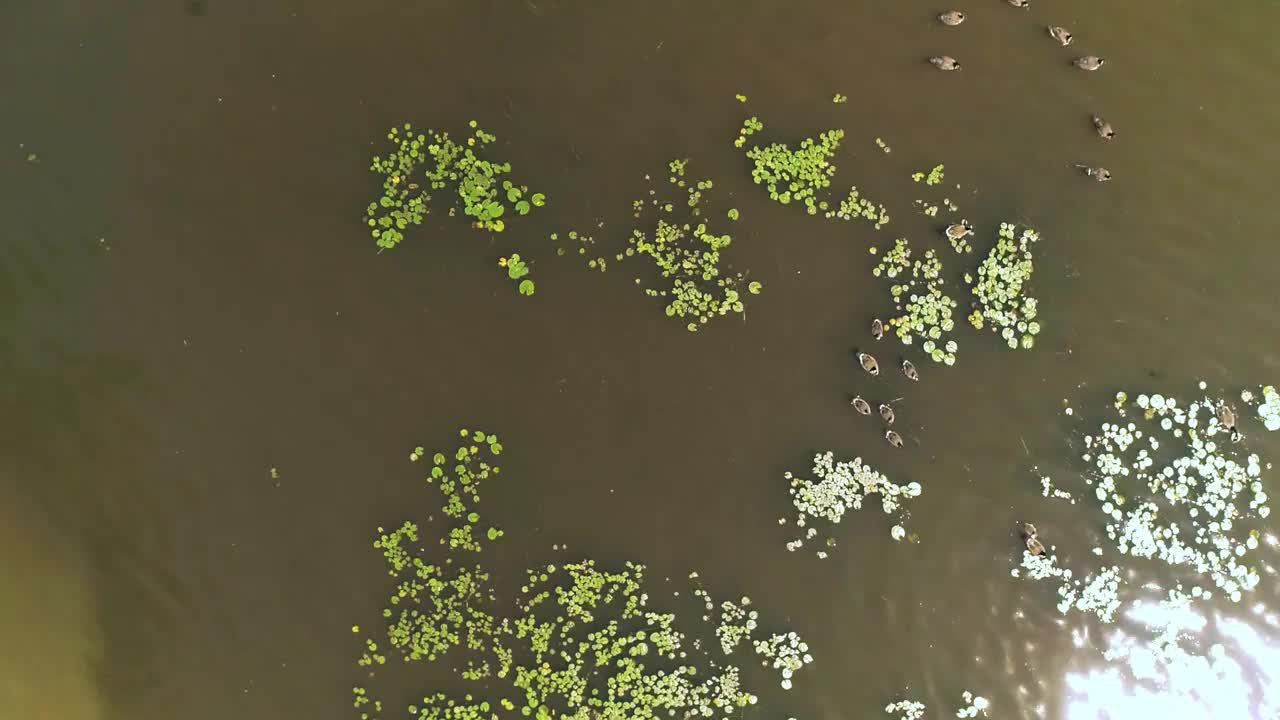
[(934, 177), (422, 163), (973, 704), (750, 126), (1170, 488), (838, 488), (784, 653), (1269, 408), (799, 174), (517, 269), (579, 641), (687, 255), (906, 709), (584, 242), (1098, 593), (1001, 289), (925, 311), (914, 710)]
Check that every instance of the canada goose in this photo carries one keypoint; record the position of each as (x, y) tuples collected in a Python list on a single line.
[(869, 363), (910, 370), (877, 329), (959, 230), (886, 414), (1100, 174), (1089, 62), (1103, 127), (1020, 3), (1061, 35), (894, 438), (862, 406), (1034, 546), (951, 17), (945, 62), (1226, 415)]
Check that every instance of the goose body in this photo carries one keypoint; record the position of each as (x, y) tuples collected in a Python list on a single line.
[(877, 329), (945, 62), (1099, 174), (1060, 34), (1227, 417), (894, 438), (910, 370), (1034, 546), (869, 363), (1089, 62), (1103, 127), (1020, 3), (959, 230), (951, 17), (862, 406), (886, 414)]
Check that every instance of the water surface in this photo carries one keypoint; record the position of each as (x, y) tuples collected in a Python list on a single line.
[(189, 299)]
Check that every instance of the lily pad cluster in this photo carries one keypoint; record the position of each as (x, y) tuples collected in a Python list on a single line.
[(1269, 408), (1001, 288), (906, 709), (1173, 487), (687, 256), (592, 642), (422, 163), (925, 311), (517, 270), (578, 640), (803, 175), (934, 176), (973, 704), (838, 488), (914, 709), (1098, 593), (583, 241)]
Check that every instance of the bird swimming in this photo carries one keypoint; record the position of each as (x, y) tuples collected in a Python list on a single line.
[(1103, 127), (886, 413), (910, 370), (869, 363)]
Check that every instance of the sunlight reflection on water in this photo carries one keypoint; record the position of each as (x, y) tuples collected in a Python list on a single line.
[(1173, 668)]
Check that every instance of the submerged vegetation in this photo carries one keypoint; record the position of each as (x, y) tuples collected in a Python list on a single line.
[(423, 163), (1000, 289), (577, 641)]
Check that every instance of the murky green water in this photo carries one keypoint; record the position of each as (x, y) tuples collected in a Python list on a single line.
[(188, 299)]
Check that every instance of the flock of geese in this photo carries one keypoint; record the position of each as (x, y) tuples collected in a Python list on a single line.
[(872, 366), (1088, 63)]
